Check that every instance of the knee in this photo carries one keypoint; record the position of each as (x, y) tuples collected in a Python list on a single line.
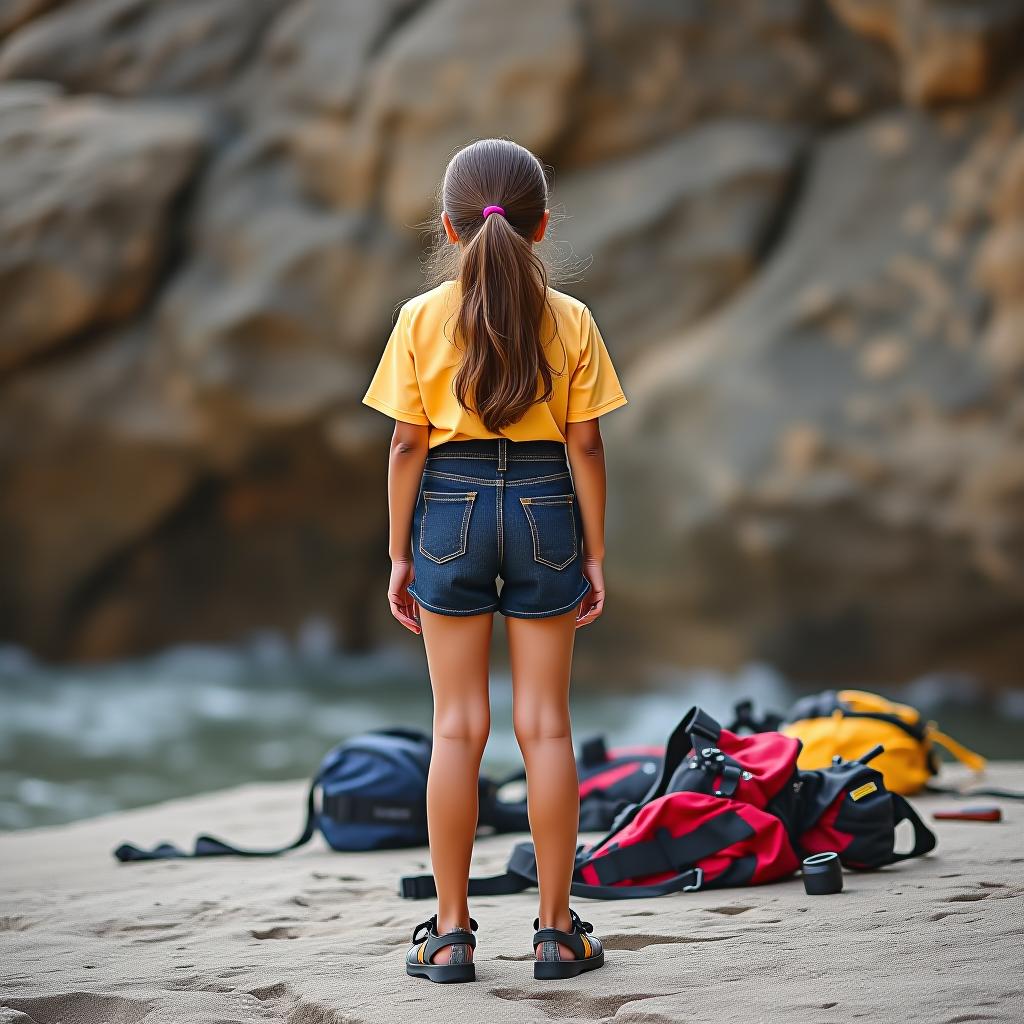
[(464, 723), (535, 725)]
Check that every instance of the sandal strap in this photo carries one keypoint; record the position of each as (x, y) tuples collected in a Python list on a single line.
[(582, 949), (570, 939), (434, 941)]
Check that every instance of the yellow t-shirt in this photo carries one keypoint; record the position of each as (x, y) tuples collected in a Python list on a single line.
[(415, 379)]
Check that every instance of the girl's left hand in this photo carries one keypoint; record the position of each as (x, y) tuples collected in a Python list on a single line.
[(403, 605), (593, 604)]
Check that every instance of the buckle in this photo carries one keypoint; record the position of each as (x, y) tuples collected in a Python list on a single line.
[(699, 872)]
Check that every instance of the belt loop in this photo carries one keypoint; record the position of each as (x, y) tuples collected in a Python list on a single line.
[(502, 449)]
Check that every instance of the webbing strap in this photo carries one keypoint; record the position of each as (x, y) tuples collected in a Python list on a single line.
[(924, 838), (968, 757), (422, 887), (666, 852), (993, 791), (520, 874), (593, 751), (373, 810), (698, 724), (687, 881), (211, 846)]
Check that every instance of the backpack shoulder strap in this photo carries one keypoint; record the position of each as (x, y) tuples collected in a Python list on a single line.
[(593, 751), (968, 757), (744, 719), (924, 838)]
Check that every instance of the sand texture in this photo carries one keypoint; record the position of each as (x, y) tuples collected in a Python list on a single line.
[(318, 937)]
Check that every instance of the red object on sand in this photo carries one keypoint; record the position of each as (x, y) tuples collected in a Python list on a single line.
[(986, 813)]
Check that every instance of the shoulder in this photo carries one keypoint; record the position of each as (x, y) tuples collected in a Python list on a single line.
[(573, 320), (568, 306), (436, 301), (572, 316)]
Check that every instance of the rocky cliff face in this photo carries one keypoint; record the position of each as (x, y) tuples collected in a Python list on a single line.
[(805, 226)]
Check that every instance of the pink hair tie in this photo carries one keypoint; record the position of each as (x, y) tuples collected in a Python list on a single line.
[(488, 210)]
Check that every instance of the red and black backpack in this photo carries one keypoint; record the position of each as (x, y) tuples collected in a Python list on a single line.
[(613, 778), (610, 779), (725, 810)]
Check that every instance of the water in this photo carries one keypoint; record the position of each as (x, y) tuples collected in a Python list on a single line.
[(80, 741)]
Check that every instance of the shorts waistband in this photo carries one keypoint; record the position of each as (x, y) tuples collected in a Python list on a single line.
[(499, 449)]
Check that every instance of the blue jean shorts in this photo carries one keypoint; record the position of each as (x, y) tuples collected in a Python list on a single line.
[(493, 512)]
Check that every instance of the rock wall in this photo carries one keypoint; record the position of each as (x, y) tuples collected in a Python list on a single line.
[(803, 224)]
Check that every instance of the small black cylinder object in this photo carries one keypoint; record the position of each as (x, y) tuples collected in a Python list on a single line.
[(823, 874)]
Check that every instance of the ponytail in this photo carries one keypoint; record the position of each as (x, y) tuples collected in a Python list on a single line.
[(503, 281)]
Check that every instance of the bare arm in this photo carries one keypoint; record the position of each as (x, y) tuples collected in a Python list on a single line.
[(405, 469), (585, 450)]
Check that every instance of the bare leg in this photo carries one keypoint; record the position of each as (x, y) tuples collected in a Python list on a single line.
[(540, 654), (458, 649)]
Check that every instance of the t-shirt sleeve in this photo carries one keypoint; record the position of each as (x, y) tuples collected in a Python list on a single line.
[(594, 388), (394, 389)]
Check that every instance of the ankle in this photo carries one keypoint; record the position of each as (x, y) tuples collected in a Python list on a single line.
[(451, 922), (558, 919)]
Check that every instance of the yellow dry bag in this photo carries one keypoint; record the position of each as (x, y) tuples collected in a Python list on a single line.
[(848, 723)]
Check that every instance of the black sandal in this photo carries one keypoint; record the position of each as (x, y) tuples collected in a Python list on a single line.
[(427, 943), (588, 949)]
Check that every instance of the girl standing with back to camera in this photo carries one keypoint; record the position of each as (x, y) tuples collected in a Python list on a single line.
[(496, 382)]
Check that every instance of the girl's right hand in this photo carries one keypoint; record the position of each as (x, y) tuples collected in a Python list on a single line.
[(593, 604), (403, 605)]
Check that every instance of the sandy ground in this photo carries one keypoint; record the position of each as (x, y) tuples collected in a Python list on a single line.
[(318, 937)]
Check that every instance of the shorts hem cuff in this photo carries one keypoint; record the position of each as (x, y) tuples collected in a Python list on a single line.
[(555, 611), (438, 610)]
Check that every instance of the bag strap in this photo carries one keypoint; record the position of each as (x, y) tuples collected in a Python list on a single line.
[(745, 719), (662, 853), (339, 806), (524, 862), (211, 846), (593, 751), (914, 730), (372, 810), (924, 838), (521, 874), (665, 852), (422, 887), (968, 757), (501, 815), (993, 791), (688, 881), (696, 730), (701, 728)]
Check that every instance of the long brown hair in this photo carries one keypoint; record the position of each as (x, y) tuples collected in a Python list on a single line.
[(503, 281)]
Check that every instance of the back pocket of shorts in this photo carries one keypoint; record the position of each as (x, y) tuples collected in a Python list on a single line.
[(444, 528), (553, 525)]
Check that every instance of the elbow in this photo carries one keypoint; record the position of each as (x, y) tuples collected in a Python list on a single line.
[(409, 441), (407, 448), (584, 440), (588, 447)]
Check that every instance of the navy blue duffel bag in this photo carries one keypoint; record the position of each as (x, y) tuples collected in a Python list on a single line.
[(372, 797)]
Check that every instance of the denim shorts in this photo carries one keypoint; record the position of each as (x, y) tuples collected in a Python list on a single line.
[(498, 510)]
